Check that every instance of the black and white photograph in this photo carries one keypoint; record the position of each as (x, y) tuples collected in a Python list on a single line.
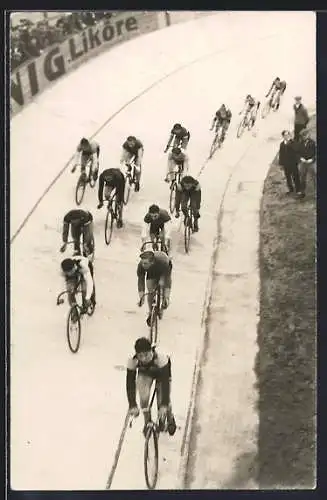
[(162, 250)]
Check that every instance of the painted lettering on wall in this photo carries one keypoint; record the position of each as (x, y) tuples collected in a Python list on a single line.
[(27, 81)]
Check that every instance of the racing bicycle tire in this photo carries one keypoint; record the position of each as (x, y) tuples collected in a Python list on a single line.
[(151, 439), (74, 310), (80, 188), (109, 225)]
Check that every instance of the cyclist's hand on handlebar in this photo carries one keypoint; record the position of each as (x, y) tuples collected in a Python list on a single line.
[(74, 168), (100, 205), (63, 248)]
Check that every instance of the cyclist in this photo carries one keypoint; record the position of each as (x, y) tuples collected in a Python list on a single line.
[(112, 178), (176, 158), (133, 150), (157, 223), (278, 86), (144, 367), (75, 270), (180, 135), (155, 268), (251, 106), (222, 119), (81, 223), (189, 189), (87, 149)]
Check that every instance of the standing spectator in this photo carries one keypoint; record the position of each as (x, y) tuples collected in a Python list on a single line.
[(307, 153), (301, 117), (288, 159)]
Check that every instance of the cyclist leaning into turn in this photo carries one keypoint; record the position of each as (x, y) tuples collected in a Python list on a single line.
[(189, 189), (87, 149), (133, 149), (110, 179), (81, 223), (143, 368), (157, 222), (75, 270), (155, 269), (277, 86), (222, 119), (180, 135), (176, 158), (251, 106)]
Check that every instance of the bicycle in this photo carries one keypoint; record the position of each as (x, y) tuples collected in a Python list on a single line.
[(188, 227), (156, 313), (82, 182), (246, 122), (129, 180), (173, 186), (76, 312), (87, 252), (152, 432), (113, 214), (271, 104), (217, 141)]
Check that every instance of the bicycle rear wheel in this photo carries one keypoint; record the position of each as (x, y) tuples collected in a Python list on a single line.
[(213, 146), (92, 181), (240, 128), (74, 329), (109, 226), (172, 197), (187, 233), (151, 457), (80, 190)]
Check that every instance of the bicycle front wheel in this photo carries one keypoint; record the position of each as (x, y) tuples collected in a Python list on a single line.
[(265, 110), (108, 226), (172, 197), (80, 190), (151, 457), (187, 234), (74, 329), (213, 146), (240, 128)]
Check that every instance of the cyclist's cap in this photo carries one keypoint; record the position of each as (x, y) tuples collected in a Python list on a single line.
[(67, 265), (84, 140), (142, 345), (131, 138), (297, 98), (176, 151), (147, 254), (177, 125), (154, 209)]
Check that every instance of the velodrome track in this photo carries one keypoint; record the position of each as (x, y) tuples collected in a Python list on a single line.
[(67, 411)]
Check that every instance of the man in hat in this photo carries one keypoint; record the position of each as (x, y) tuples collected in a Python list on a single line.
[(154, 268), (288, 159), (301, 117), (307, 153)]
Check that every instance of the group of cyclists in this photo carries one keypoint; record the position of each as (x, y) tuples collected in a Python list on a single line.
[(155, 265)]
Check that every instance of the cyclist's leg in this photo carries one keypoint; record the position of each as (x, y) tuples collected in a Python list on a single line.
[(166, 286), (96, 167), (88, 237), (76, 235), (138, 169), (178, 199), (184, 200), (195, 206), (84, 159), (107, 191), (170, 168), (92, 274), (120, 188), (70, 286), (143, 387)]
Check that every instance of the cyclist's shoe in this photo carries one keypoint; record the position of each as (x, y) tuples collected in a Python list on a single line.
[(95, 176), (171, 427), (196, 226), (137, 187), (177, 214), (129, 168), (148, 320), (165, 303), (119, 223)]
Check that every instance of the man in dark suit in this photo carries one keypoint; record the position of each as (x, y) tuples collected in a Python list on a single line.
[(288, 159), (301, 117), (307, 164)]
